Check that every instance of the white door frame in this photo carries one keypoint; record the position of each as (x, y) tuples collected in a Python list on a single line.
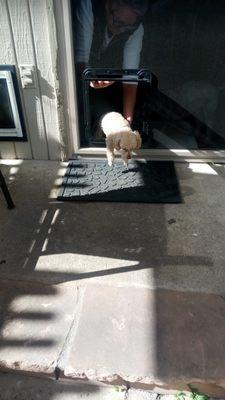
[(66, 71)]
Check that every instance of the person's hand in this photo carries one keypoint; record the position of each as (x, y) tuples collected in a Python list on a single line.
[(129, 119), (100, 84)]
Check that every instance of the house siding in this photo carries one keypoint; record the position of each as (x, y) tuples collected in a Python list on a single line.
[(27, 31)]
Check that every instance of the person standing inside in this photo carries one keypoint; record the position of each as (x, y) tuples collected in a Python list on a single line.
[(109, 34)]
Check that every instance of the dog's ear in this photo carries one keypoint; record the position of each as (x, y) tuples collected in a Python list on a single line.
[(138, 139)]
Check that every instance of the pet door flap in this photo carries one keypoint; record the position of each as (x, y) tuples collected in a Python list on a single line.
[(97, 102)]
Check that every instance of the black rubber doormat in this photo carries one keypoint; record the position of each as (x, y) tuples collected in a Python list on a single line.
[(141, 182)]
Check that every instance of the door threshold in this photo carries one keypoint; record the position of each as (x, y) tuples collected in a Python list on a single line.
[(161, 154)]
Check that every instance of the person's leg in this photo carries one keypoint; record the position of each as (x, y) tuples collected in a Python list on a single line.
[(165, 114), (158, 104)]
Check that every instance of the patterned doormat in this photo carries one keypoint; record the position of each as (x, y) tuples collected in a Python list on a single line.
[(141, 182)]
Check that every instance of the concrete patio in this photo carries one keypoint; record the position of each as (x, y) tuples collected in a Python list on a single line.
[(113, 293)]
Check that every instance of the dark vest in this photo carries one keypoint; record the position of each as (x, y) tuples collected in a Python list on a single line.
[(112, 56)]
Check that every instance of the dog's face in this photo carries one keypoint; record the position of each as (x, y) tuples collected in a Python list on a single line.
[(129, 143)]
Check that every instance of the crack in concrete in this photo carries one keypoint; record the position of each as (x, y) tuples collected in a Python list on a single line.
[(63, 355), (126, 394)]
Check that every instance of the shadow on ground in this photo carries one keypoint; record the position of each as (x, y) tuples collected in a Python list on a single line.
[(44, 243)]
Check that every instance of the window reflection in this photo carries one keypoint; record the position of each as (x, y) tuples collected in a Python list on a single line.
[(181, 42), (6, 114)]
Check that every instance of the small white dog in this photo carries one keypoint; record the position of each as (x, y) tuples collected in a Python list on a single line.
[(119, 136)]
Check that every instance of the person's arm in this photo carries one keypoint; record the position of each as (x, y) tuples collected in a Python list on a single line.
[(131, 60), (83, 31), (83, 38), (129, 100)]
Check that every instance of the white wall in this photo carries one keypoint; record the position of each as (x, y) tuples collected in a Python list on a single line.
[(27, 33)]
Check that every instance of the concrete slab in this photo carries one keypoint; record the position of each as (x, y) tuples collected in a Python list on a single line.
[(35, 322), (145, 395), (156, 338), (19, 387), (176, 246)]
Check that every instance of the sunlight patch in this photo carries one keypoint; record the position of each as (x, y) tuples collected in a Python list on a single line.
[(202, 168), (72, 263)]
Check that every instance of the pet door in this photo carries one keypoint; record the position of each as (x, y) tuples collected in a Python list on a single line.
[(97, 102), (11, 119)]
